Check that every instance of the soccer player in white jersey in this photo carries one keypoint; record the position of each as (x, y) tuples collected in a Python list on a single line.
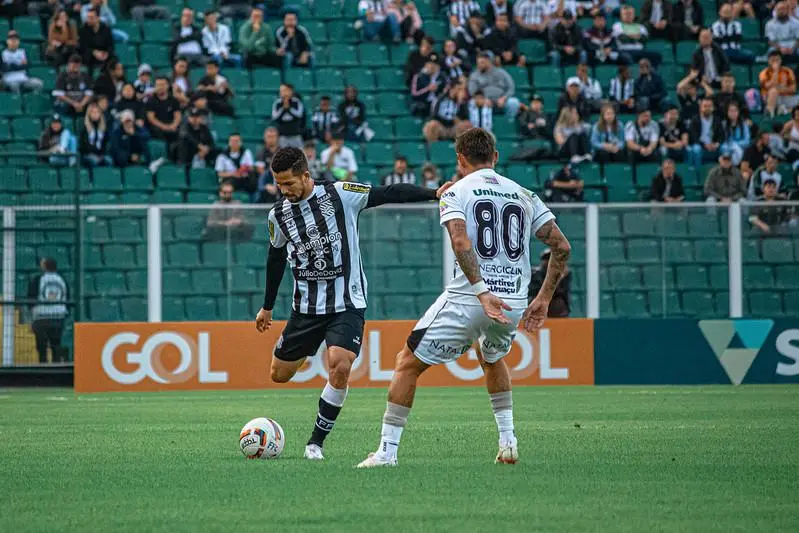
[(489, 219)]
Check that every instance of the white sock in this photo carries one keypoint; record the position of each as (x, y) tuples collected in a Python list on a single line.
[(505, 426), (389, 441)]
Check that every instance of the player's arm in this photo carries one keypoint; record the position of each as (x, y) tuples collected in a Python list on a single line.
[(550, 235), (467, 260), (276, 260), (399, 193)]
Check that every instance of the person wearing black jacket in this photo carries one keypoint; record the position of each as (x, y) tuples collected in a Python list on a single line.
[(129, 142), (471, 37), (687, 18), (128, 101), (600, 45), (195, 141), (572, 97), (705, 135), (352, 113), (426, 85), (450, 116), (559, 307), (656, 15), (295, 41), (667, 184), (96, 42), (417, 59), (709, 62), (187, 40), (110, 82), (727, 95), (567, 42), (503, 41), (495, 8), (649, 89), (288, 115)]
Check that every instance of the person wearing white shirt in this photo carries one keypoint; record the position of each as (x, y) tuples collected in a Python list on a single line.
[(236, 165), (782, 33), (339, 159), (590, 88), (556, 8), (15, 67), (531, 18), (217, 39)]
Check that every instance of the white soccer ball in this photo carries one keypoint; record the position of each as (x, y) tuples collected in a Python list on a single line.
[(262, 438)]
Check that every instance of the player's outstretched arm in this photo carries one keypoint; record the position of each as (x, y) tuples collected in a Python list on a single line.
[(402, 193), (275, 267), (536, 312), (467, 260)]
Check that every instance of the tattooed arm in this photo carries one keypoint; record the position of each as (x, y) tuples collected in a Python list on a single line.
[(467, 260), (536, 312)]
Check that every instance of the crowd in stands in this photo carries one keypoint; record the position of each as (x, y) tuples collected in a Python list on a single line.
[(462, 81)]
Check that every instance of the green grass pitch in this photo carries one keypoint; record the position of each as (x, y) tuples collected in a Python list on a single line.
[(681, 459)]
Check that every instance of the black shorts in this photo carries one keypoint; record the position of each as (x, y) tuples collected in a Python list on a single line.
[(304, 334)]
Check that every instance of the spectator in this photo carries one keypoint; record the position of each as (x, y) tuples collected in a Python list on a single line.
[(267, 190), (600, 44), (532, 19), (743, 8), (295, 41), (236, 165), (727, 32), (400, 173), (755, 155), (59, 143), (353, 116), (471, 38), (339, 160), (62, 39), (777, 86), (450, 116), (72, 89), (503, 42), (567, 42), (431, 177), (673, 136), (187, 40), (144, 85), (95, 41), (559, 306), (689, 96), (481, 113), (631, 38), (418, 58), (496, 84), (770, 216), (288, 115), (111, 80), (557, 8), (216, 90), (621, 91), (727, 96), (376, 21), (494, 8), (667, 185), (181, 84), (607, 137), (236, 9), (790, 132), (142, 9), (642, 136), (649, 89), (708, 62), (590, 90), (459, 13), (706, 133), (315, 167), (533, 121), (42, 9), (94, 136), (768, 171), (14, 63), (724, 182), (425, 87), (257, 43), (570, 137), (128, 101), (409, 19), (656, 15), (49, 291), (129, 142), (196, 143), (564, 186), (737, 135), (216, 40), (324, 121), (107, 17), (687, 19), (163, 113), (225, 222), (782, 33), (455, 66)]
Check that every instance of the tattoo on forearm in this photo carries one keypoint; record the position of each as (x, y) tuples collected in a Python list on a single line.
[(551, 235), (466, 257)]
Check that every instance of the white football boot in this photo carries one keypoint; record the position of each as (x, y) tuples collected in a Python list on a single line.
[(374, 460), (313, 452), (508, 453)]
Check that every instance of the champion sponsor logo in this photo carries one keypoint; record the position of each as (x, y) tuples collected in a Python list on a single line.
[(491, 192), (317, 244), (312, 232)]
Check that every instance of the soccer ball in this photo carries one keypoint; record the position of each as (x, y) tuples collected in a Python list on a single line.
[(262, 438)]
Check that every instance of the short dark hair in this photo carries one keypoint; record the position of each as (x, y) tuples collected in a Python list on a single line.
[(476, 145), (49, 264), (400, 157), (289, 158)]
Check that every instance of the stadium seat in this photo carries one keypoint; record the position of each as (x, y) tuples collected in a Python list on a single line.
[(188, 227), (176, 281), (133, 309), (660, 307), (136, 281), (710, 251), (778, 251), (103, 310), (758, 277), (44, 179), (625, 277), (630, 304), (765, 304), (698, 303), (692, 277), (110, 283), (207, 281), (97, 231), (122, 256), (249, 254), (656, 276), (126, 230), (643, 251), (182, 255)]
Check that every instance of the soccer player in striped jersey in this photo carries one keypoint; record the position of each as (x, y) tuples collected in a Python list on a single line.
[(490, 220), (315, 229)]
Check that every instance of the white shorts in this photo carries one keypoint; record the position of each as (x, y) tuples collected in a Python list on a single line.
[(447, 330)]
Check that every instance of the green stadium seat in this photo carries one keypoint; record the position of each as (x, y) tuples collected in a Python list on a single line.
[(778, 251), (786, 276), (624, 277), (188, 227), (388, 255), (317, 30), (161, 196), (533, 49), (133, 309), (202, 308), (216, 254), (119, 256), (791, 302), (29, 28), (666, 49), (342, 55), (126, 230), (249, 253), (591, 174), (524, 174), (10, 104), (758, 277), (418, 227), (609, 225), (44, 179), (38, 104), (156, 55), (92, 257), (158, 31), (521, 77), (640, 251), (710, 251), (363, 79), (240, 82), (110, 283), (182, 255), (135, 197), (401, 280), (127, 54), (207, 281), (390, 78), (604, 73), (265, 80), (399, 306), (657, 303), (719, 277), (200, 197), (611, 251), (108, 179), (765, 304), (203, 179), (607, 309), (132, 28), (684, 52), (171, 177), (332, 9), (692, 277), (655, 276), (244, 278), (699, 304), (176, 282), (630, 304), (103, 310), (750, 250), (301, 79), (101, 198), (678, 251), (97, 231), (138, 179), (340, 31), (330, 81), (413, 151), (373, 55), (172, 309), (671, 224), (619, 175), (137, 281), (638, 223), (5, 130), (379, 154), (547, 77), (393, 104)]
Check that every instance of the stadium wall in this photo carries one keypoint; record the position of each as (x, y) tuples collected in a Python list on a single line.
[(232, 355)]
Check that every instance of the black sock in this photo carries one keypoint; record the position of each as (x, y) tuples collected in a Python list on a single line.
[(325, 419)]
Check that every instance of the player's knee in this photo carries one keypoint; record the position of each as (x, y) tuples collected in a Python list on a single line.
[(340, 365), (279, 376)]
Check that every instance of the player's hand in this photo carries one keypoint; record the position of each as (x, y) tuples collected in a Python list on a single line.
[(493, 306), (263, 321), (534, 315), (441, 190)]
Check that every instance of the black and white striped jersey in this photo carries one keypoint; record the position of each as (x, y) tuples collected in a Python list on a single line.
[(321, 237)]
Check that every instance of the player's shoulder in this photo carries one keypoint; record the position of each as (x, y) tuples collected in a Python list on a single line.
[(352, 187)]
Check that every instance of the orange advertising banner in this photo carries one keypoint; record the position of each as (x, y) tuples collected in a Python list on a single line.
[(233, 355)]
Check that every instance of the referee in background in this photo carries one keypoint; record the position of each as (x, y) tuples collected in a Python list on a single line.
[(49, 291)]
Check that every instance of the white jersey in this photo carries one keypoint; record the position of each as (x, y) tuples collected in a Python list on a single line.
[(500, 216)]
